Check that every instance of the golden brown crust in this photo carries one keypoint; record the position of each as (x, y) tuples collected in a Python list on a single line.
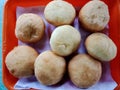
[(94, 15), (84, 71), (29, 28), (49, 68), (20, 61)]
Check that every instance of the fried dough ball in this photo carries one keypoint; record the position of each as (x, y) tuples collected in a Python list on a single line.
[(20, 61), (101, 47), (59, 12), (94, 15), (49, 68), (84, 71), (29, 28), (65, 40)]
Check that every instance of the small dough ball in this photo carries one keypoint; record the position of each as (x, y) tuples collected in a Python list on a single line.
[(65, 40), (84, 71), (94, 15), (20, 61), (59, 12), (101, 47), (49, 68), (29, 28)]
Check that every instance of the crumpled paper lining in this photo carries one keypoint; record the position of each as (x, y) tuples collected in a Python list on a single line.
[(106, 82)]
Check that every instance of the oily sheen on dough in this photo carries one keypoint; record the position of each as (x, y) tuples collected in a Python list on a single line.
[(58, 12), (101, 47), (49, 68), (29, 28), (20, 61), (84, 71), (94, 15), (65, 40)]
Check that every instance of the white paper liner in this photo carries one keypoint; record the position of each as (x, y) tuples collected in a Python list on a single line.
[(106, 82)]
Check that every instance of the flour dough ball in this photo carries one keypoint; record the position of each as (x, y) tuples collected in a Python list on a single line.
[(65, 40), (94, 15), (101, 47), (84, 71), (29, 28), (20, 61), (59, 12), (49, 68)]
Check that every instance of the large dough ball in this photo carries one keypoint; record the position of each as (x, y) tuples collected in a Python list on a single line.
[(58, 12), (101, 47), (29, 28), (94, 15), (84, 71), (49, 68), (65, 40), (20, 61)]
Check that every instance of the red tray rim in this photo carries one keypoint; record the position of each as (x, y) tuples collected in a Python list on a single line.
[(115, 62)]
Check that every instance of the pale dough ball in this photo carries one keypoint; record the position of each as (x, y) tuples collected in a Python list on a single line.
[(94, 15), (65, 40), (29, 28), (59, 12), (84, 71), (49, 68), (20, 61), (101, 47)]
